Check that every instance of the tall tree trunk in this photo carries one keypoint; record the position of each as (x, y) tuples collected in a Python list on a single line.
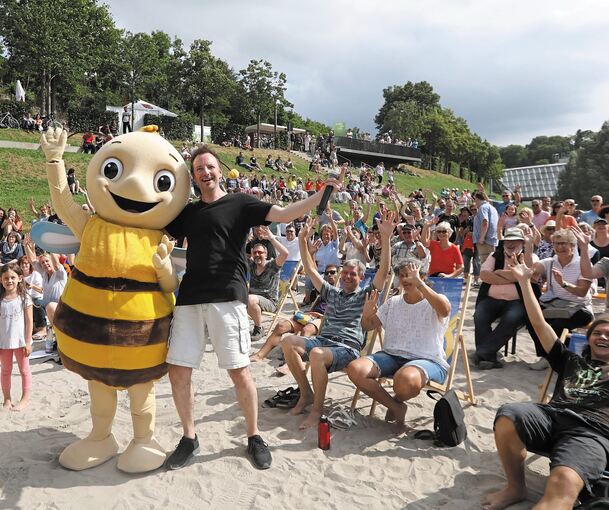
[(258, 131), (202, 125), (43, 92)]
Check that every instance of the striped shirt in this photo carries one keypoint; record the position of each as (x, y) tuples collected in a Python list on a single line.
[(571, 273), (342, 319)]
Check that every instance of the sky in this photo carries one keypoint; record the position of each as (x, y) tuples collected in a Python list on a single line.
[(512, 70)]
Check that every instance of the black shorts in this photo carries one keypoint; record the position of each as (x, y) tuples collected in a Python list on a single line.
[(561, 435)]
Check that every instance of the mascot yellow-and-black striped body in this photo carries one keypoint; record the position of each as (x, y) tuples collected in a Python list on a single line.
[(112, 323)]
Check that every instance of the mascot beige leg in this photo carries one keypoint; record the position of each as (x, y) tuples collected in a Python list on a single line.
[(144, 453), (100, 445)]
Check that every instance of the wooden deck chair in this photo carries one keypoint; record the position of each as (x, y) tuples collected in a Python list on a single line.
[(287, 277), (457, 291), (577, 342)]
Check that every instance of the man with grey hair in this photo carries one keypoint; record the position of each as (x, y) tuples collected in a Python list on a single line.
[(593, 214), (413, 350), (342, 338)]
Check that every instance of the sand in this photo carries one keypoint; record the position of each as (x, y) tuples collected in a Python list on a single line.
[(370, 466)]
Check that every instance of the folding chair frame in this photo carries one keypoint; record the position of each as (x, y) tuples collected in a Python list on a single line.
[(459, 348), (278, 314)]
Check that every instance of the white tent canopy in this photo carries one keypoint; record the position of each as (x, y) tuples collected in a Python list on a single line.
[(140, 109)]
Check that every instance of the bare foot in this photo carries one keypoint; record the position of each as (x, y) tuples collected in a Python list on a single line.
[(7, 404), (254, 358), (303, 401), (503, 498), (397, 417), (21, 405), (311, 421), (283, 369)]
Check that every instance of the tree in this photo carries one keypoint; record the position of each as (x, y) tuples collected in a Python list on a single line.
[(545, 149), (421, 94), (588, 169), (55, 41), (405, 119), (208, 82), (514, 156), (263, 88)]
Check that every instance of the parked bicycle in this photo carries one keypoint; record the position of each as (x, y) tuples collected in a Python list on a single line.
[(8, 121)]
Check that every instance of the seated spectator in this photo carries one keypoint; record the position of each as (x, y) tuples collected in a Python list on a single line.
[(448, 215), (565, 283), (264, 280), (73, 183), (260, 237), (352, 245), (471, 260), (279, 164), (572, 429), (289, 163), (446, 260), (12, 223), (413, 349), (290, 243), (54, 276), (499, 298), (240, 161), (269, 163), (11, 249), (409, 247), (342, 337), (300, 324), (254, 162), (88, 143), (324, 251)]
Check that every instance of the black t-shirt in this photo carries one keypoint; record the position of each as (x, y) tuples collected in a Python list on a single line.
[(582, 386), (216, 264)]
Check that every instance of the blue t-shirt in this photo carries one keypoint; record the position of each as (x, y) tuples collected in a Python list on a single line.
[(501, 206), (589, 217), (486, 212)]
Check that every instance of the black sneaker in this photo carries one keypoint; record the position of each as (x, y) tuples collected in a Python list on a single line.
[(258, 452), (185, 450), (256, 333)]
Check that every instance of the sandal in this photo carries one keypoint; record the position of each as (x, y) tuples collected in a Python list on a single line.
[(289, 402), (281, 396)]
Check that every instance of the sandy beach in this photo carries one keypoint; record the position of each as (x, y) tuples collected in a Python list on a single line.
[(372, 465)]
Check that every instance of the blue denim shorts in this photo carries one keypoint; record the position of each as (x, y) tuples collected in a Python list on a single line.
[(342, 354), (388, 365)]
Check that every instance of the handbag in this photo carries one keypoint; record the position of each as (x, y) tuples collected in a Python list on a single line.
[(559, 308)]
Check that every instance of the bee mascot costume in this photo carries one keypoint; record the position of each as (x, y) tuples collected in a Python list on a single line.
[(112, 322)]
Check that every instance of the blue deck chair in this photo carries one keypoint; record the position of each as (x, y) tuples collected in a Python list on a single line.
[(287, 277), (457, 292)]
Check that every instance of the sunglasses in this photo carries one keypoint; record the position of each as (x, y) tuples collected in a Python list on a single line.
[(594, 200), (441, 231), (561, 243), (331, 271)]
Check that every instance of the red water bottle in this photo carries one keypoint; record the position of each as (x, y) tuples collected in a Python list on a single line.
[(323, 433)]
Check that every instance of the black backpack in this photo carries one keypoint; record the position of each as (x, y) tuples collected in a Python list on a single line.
[(448, 421)]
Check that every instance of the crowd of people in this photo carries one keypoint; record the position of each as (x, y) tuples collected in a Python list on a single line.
[(535, 267)]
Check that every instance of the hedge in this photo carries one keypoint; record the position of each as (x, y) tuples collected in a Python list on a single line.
[(81, 119), (174, 128), (16, 108)]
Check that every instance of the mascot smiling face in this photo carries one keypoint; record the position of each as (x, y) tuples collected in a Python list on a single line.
[(138, 180)]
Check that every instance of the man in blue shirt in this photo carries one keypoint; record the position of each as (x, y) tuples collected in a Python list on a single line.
[(506, 199), (593, 214), (485, 226)]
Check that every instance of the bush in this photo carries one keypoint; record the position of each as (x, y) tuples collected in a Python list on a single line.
[(81, 119), (16, 108), (174, 128)]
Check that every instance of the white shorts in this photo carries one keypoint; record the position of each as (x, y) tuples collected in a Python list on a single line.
[(226, 325)]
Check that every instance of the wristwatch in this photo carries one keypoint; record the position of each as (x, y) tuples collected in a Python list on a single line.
[(564, 285)]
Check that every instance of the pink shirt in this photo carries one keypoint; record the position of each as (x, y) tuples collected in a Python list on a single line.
[(506, 292), (540, 218)]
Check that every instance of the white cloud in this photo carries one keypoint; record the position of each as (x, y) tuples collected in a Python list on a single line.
[(513, 70)]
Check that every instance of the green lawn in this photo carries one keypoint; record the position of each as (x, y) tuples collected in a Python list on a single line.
[(19, 135), (23, 175)]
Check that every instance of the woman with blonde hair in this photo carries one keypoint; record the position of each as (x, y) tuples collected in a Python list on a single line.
[(446, 259)]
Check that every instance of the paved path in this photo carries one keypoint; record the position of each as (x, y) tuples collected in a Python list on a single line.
[(10, 144)]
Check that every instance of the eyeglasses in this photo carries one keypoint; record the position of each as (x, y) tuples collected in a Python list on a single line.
[(441, 231), (551, 229), (505, 196), (331, 271), (561, 243), (569, 203), (594, 200)]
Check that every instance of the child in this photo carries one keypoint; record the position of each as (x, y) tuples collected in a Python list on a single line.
[(15, 333)]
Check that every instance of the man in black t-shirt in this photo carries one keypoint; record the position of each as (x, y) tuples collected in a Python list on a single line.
[(573, 429), (451, 218), (211, 303)]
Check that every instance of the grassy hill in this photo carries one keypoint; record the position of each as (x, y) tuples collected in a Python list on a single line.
[(23, 174)]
